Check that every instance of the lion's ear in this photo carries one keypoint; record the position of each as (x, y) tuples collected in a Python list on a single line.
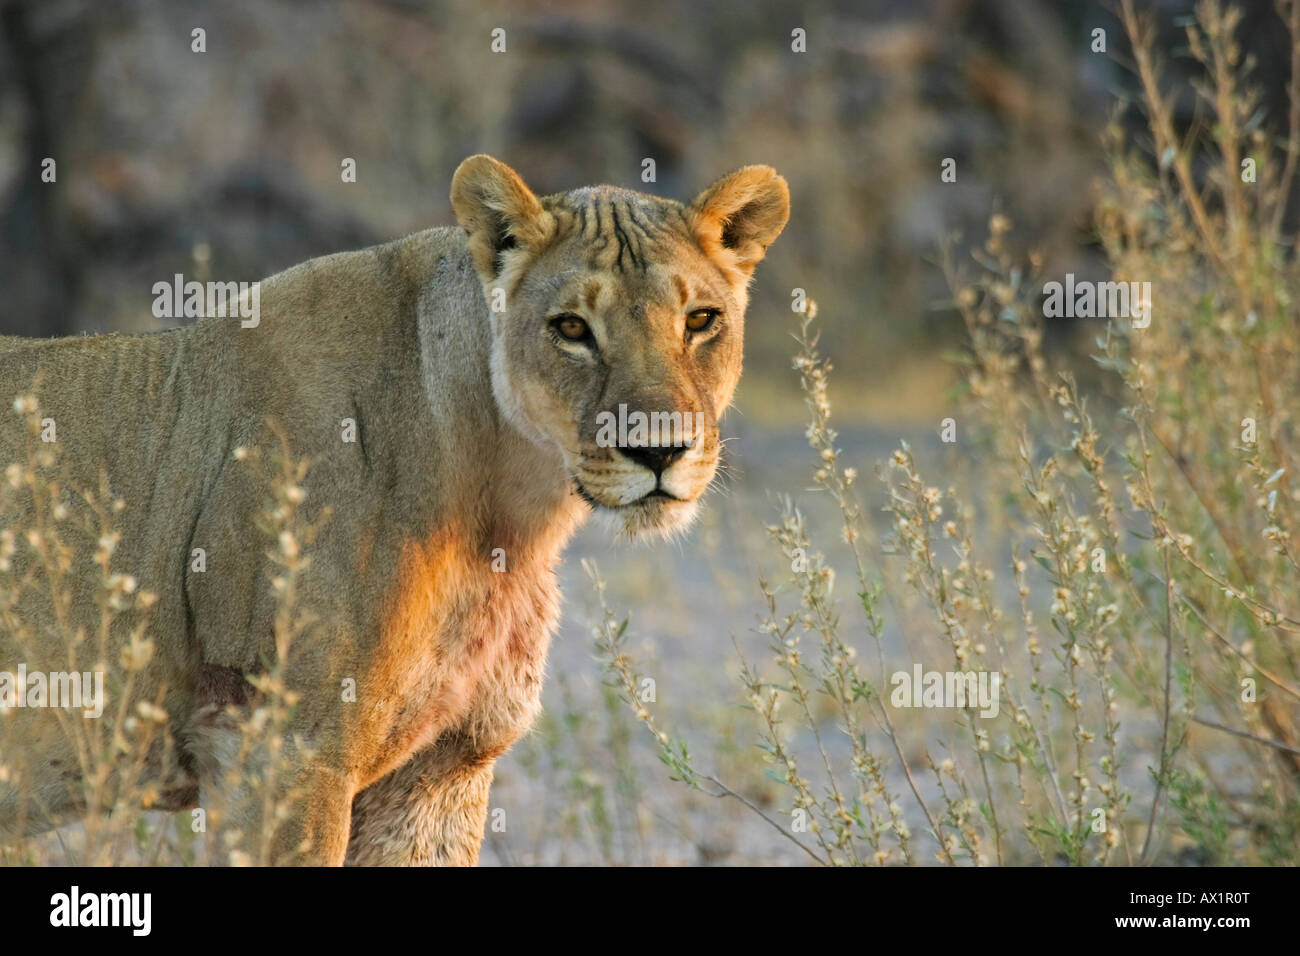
[(739, 216), (498, 211)]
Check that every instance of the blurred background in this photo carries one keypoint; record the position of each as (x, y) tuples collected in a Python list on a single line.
[(227, 162)]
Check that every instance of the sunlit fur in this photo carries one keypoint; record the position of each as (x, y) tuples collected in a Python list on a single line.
[(431, 581)]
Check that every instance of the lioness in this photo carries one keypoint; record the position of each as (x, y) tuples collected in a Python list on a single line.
[(472, 366)]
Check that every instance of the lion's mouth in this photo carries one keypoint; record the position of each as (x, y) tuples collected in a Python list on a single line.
[(657, 494)]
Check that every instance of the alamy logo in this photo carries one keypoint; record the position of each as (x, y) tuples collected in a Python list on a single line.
[(69, 690), (648, 430), (179, 299), (134, 910), (947, 689), (1098, 300)]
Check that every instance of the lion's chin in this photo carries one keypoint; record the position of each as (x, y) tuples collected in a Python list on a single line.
[(648, 519)]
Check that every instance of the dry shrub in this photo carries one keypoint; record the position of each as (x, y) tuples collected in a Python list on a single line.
[(57, 551), (1130, 576)]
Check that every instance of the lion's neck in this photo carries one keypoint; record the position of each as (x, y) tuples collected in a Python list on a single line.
[(516, 492), (530, 499)]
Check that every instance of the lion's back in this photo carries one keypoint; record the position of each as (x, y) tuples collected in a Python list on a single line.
[(104, 449)]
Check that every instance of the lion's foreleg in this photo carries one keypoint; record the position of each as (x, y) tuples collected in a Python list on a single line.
[(428, 812)]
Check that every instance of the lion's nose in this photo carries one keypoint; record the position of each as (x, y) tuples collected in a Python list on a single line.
[(655, 457)]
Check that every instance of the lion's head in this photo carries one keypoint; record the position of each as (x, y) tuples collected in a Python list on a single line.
[(617, 325)]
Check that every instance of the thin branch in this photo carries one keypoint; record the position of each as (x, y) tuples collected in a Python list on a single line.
[(1271, 678), (1245, 735), (1293, 118), (728, 792), (1162, 126), (1164, 733)]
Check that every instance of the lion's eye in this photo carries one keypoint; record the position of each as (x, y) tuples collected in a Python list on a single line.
[(571, 327), (702, 319)]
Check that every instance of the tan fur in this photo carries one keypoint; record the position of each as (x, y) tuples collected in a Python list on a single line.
[(476, 433)]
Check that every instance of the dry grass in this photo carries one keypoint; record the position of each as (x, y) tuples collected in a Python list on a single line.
[(1130, 576), (127, 757)]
